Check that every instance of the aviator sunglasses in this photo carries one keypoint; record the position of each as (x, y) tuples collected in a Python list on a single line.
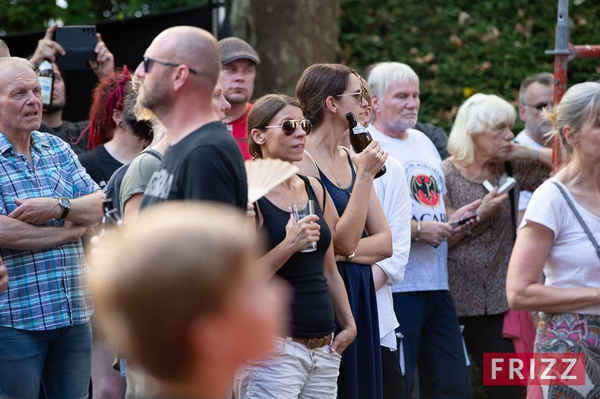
[(289, 127)]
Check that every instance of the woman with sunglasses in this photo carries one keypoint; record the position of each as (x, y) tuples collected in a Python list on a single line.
[(361, 237), (306, 363)]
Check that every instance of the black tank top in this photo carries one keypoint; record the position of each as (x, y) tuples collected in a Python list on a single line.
[(312, 310)]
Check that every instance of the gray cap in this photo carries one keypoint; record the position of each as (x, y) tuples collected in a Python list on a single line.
[(233, 48)]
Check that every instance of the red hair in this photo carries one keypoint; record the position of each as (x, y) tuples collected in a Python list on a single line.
[(109, 95)]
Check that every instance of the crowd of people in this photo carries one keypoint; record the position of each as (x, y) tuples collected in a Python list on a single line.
[(391, 288)]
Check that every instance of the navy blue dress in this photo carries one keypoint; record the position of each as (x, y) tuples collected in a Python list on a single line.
[(360, 370)]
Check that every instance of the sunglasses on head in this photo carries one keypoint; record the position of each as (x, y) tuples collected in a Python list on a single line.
[(539, 106), (289, 127)]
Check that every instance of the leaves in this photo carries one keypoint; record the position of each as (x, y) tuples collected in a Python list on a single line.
[(487, 46), (28, 15)]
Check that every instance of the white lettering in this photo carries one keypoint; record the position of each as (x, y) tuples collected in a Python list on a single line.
[(565, 375), (551, 362), (496, 368), (160, 184), (512, 370)]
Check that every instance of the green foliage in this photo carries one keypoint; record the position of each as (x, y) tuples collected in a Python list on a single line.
[(26, 15), (461, 47), (29, 15)]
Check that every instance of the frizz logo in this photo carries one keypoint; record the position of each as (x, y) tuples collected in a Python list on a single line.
[(425, 190), (533, 369)]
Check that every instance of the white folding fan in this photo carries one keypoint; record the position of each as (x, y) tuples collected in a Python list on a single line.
[(264, 174)]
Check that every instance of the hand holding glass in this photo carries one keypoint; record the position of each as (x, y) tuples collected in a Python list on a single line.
[(303, 209)]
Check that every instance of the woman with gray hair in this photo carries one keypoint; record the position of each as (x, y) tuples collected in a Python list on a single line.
[(482, 154), (553, 239)]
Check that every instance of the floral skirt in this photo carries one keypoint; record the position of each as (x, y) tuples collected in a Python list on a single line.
[(570, 333)]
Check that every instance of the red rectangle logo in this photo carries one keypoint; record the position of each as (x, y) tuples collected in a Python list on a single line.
[(533, 369)]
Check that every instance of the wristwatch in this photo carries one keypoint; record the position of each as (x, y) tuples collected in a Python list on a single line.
[(65, 204), (350, 257)]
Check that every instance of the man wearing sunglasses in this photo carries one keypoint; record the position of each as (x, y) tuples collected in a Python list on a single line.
[(178, 74), (535, 95), (239, 61)]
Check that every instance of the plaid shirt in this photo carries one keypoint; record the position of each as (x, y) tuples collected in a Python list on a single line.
[(47, 288)]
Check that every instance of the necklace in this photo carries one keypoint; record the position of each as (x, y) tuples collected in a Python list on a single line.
[(337, 179), (283, 199)]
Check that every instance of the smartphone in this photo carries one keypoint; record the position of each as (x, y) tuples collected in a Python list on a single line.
[(463, 220), (79, 43), (508, 184)]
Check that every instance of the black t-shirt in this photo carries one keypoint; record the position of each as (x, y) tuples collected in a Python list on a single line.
[(312, 309), (205, 165), (99, 164), (70, 132)]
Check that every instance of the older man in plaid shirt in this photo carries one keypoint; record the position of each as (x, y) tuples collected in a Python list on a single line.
[(47, 201)]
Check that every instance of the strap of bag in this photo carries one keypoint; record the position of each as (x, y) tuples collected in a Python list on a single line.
[(579, 218), (511, 196)]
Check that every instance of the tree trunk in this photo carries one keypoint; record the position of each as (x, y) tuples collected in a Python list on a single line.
[(288, 35)]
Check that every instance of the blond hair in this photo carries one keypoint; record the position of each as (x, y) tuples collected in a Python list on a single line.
[(476, 115), (180, 260), (579, 105)]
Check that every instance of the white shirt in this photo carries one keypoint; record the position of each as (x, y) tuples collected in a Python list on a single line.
[(525, 139), (572, 262), (393, 195), (427, 266)]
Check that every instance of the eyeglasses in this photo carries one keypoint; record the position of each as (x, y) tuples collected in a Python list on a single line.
[(148, 60), (289, 127), (357, 95), (539, 106)]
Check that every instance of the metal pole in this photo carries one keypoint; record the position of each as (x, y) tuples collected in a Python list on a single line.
[(561, 59), (218, 16), (562, 56)]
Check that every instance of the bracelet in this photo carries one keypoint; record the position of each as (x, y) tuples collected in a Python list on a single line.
[(418, 231), (350, 257), (534, 154)]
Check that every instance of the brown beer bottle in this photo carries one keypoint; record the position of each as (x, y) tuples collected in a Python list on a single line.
[(46, 75), (360, 138)]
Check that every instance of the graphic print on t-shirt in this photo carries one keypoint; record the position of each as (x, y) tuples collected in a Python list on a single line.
[(160, 185), (425, 190)]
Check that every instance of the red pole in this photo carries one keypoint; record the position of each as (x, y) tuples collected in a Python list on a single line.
[(562, 55), (587, 51)]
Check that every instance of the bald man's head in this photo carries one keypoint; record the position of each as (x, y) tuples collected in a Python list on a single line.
[(195, 47)]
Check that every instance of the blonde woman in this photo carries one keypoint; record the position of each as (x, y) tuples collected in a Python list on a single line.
[(553, 241), (481, 149)]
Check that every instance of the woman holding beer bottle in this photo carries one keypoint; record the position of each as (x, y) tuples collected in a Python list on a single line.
[(361, 236)]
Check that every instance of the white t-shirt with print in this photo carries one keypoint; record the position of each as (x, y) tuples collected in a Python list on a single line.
[(427, 266)]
